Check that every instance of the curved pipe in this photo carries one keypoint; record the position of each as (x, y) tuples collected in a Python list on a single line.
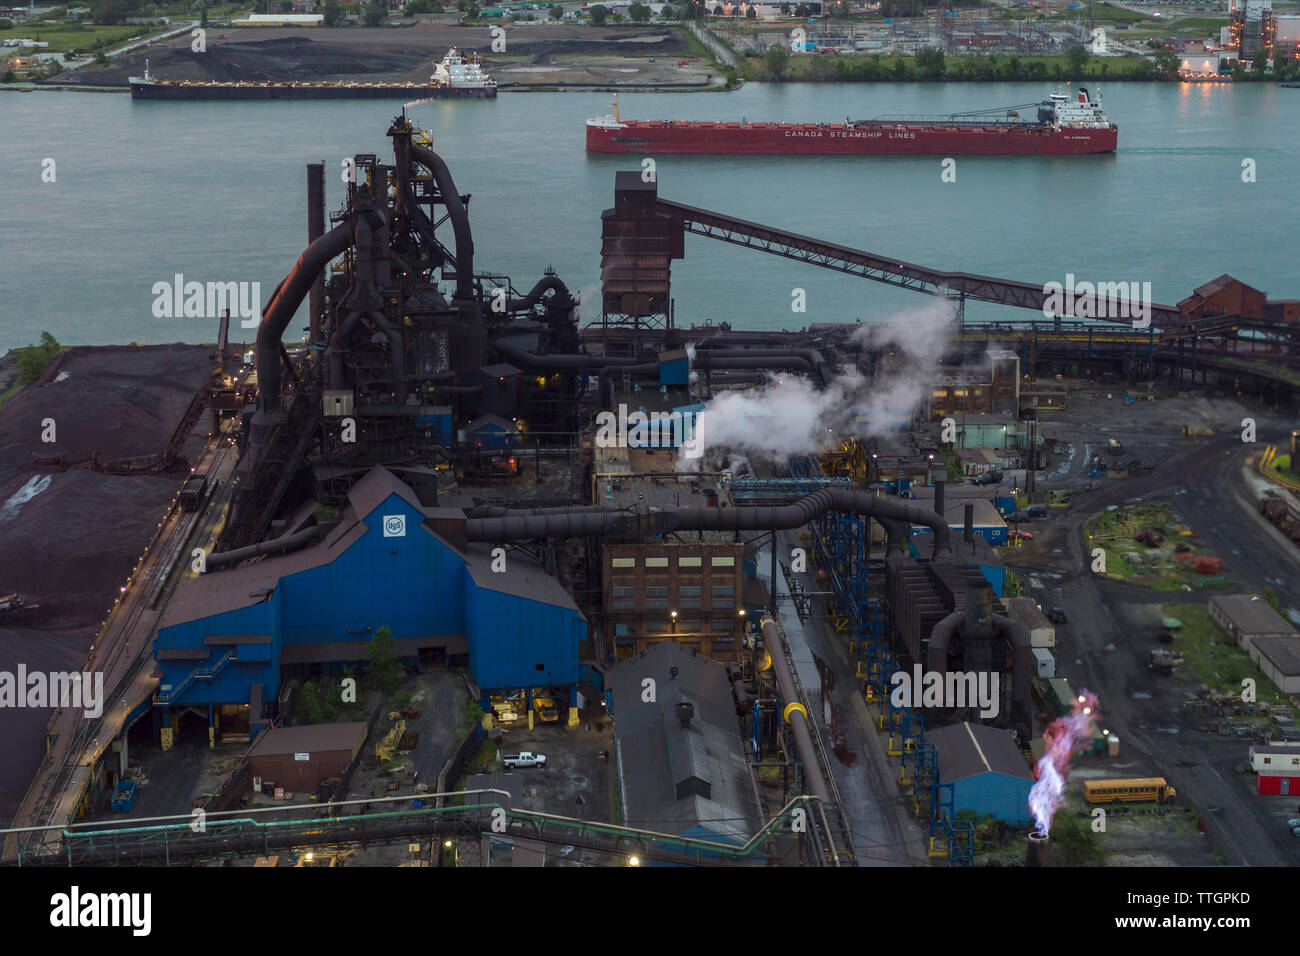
[(276, 318), (459, 219), (563, 300), (531, 361), (796, 717), (1015, 633), (293, 542), (605, 521), (810, 359)]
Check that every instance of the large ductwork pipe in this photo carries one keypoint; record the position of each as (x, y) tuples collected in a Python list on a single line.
[(315, 229), (563, 300), (608, 521), (794, 713), (533, 362), (292, 542), (728, 359), (459, 220), (276, 318), (807, 359), (1013, 632)]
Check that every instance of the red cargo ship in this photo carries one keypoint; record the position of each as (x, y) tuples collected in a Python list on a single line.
[(1064, 126)]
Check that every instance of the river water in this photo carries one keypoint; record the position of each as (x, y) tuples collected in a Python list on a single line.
[(216, 192)]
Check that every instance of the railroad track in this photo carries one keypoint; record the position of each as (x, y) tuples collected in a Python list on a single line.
[(161, 575)]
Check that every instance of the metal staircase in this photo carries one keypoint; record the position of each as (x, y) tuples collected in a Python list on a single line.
[(205, 672)]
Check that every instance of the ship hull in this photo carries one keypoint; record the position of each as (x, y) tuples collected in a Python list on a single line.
[(272, 91), (859, 139)]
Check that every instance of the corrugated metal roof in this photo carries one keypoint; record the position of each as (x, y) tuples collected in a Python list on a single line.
[(1251, 614), (523, 577), (967, 750), (315, 738), (675, 778), (1282, 652)]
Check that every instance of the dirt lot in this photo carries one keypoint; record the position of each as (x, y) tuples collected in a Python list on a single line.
[(535, 56)]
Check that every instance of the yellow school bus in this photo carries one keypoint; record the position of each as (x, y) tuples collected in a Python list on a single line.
[(1133, 790)]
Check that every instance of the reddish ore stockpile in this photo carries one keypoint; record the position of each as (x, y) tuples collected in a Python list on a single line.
[(1063, 739)]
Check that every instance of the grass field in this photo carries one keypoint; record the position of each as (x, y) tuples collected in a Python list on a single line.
[(1210, 658), (1155, 568), (76, 36)]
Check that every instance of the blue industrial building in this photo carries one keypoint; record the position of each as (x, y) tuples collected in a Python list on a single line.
[(227, 638), (988, 773)]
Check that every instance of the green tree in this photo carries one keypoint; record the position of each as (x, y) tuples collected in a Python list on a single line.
[(930, 64), (639, 12), (1074, 843), (1167, 63), (1077, 60), (751, 12), (668, 13), (776, 60), (203, 18), (374, 13), (33, 359), (1258, 66), (557, 12), (309, 709), (333, 13), (598, 13), (382, 661)]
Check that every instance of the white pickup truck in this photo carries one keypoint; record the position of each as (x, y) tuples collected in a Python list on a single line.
[(525, 759)]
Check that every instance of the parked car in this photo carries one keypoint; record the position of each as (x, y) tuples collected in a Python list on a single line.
[(987, 478), (1020, 535), (1056, 615), (1036, 511), (524, 759)]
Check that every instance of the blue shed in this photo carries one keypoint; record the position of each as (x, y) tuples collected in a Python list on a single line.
[(492, 431), (988, 773)]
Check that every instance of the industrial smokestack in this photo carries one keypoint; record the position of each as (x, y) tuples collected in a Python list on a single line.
[(315, 229), (968, 525), (938, 478), (1038, 850)]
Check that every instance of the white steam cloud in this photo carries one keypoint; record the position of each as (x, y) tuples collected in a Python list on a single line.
[(793, 416)]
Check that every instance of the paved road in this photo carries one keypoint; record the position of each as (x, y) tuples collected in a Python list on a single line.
[(1113, 626)]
